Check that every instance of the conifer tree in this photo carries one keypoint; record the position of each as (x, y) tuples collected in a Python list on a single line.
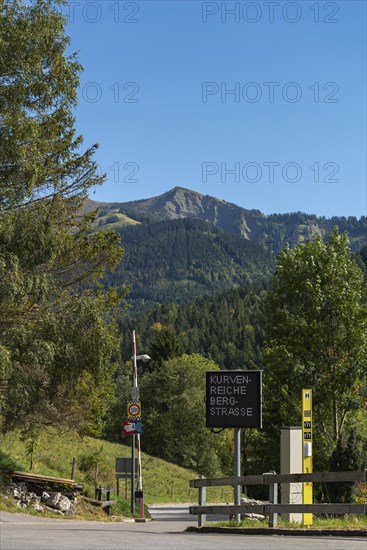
[(56, 339)]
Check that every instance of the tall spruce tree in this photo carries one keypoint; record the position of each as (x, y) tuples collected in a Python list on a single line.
[(57, 338), (165, 345), (39, 153)]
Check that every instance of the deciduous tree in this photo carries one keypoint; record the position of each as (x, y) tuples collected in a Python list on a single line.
[(316, 325), (174, 416)]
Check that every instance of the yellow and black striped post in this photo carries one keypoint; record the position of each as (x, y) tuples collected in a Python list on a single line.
[(307, 450)]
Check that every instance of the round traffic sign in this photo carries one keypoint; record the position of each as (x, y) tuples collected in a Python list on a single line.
[(134, 409)]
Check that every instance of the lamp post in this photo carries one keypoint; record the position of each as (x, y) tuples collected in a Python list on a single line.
[(135, 396)]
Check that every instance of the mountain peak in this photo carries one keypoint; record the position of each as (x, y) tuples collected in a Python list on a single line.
[(181, 191), (272, 230), (185, 191)]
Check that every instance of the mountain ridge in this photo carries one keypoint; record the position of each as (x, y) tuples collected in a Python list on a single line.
[(270, 230)]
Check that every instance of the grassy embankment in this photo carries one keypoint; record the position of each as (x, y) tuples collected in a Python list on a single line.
[(348, 522), (53, 455)]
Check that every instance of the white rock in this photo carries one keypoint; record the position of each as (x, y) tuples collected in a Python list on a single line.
[(59, 501), (54, 510), (64, 503)]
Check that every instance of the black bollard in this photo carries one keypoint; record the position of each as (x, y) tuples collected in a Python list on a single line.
[(107, 509)]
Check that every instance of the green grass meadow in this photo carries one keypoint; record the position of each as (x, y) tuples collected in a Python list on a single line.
[(53, 455)]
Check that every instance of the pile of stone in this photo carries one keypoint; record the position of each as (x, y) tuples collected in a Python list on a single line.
[(51, 501), (255, 517)]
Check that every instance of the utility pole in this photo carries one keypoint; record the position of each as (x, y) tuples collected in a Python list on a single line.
[(135, 385), (135, 415)]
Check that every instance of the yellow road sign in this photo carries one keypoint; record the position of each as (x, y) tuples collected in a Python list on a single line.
[(134, 409), (307, 450)]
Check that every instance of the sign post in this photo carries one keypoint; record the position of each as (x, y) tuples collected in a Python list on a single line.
[(123, 468), (132, 426), (134, 390), (307, 450), (237, 470), (233, 400)]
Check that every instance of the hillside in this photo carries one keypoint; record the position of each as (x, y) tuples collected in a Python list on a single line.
[(224, 327), (178, 260), (163, 482), (271, 231)]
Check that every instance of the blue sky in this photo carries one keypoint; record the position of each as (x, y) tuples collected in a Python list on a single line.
[(156, 95)]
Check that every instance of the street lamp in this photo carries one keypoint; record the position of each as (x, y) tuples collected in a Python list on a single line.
[(135, 396), (145, 358)]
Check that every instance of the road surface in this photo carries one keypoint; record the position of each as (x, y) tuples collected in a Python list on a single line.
[(24, 532), (179, 512)]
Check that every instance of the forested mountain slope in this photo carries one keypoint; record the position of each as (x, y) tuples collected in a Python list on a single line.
[(224, 327), (178, 260)]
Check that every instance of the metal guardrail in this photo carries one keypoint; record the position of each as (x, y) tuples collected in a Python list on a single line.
[(269, 478), (272, 509)]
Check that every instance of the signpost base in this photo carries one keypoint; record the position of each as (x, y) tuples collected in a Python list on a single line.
[(237, 470), (133, 475)]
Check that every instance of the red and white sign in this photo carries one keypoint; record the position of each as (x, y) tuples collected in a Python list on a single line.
[(134, 410), (129, 427), (132, 427)]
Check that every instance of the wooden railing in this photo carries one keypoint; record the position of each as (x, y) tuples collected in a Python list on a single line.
[(272, 509)]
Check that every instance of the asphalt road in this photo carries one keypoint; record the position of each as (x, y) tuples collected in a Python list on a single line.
[(23, 532), (179, 512)]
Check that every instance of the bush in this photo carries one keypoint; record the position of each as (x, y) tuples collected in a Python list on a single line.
[(7, 466)]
